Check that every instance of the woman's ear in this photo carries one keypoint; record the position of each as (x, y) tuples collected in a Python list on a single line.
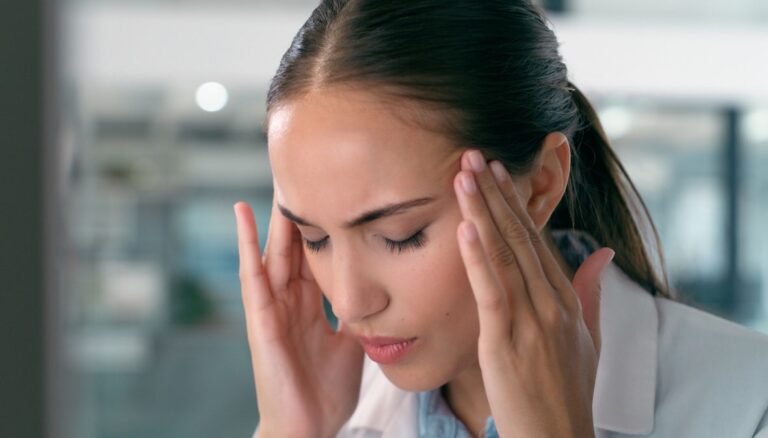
[(548, 178)]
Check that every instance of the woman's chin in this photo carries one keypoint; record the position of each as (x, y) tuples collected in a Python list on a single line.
[(413, 378)]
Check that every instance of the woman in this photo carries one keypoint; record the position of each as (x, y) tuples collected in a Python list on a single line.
[(452, 194)]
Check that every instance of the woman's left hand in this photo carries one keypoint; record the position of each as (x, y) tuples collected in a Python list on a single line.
[(539, 344)]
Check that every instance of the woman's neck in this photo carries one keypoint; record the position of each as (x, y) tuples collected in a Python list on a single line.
[(466, 397)]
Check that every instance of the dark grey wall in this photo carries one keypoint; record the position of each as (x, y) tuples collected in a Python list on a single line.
[(22, 219)]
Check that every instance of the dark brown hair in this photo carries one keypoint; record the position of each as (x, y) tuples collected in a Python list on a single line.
[(493, 70)]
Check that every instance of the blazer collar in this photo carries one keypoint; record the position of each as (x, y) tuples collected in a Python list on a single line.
[(625, 387)]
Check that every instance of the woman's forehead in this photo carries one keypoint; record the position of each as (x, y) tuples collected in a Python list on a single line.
[(328, 119), (329, 144), (344, 134)]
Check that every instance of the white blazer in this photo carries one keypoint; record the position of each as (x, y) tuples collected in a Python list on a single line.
[(666, 370)]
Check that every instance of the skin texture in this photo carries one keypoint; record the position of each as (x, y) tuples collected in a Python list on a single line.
[(479, 307)]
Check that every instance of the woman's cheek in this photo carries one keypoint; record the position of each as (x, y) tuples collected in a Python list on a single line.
[(438, 275)]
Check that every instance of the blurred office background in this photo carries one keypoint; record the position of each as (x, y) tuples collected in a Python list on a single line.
[(153, 111)]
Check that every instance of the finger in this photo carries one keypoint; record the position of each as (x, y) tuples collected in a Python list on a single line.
[(546, 260), (586, 284), (279, 250), (297, 252), (518, 237), (299, 265), (305, 270), (537, 291), (256, 293), (492, 306), (499, 254)]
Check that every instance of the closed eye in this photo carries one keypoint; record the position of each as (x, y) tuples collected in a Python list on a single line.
[(316, 245), (417, 240), (413, 242)]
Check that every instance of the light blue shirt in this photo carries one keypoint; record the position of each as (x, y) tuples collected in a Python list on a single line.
[(437, 420)]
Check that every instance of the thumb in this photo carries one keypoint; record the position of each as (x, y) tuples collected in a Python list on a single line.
[(586, 284)]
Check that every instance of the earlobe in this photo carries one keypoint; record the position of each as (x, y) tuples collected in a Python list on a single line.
[(549, 178)]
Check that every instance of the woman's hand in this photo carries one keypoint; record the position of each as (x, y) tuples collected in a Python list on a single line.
[(307, 376), (539, 344)]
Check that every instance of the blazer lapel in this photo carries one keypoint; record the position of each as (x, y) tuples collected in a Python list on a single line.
[(625, 389)]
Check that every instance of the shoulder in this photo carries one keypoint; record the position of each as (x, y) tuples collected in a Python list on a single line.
[(704, 357), (688, 335)]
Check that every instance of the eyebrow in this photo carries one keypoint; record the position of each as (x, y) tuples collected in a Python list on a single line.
[(369, 216)]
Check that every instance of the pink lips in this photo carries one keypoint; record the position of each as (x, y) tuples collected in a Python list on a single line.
[(386, 350)]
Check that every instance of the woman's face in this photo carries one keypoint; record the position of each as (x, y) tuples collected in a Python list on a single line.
[(338, 154)]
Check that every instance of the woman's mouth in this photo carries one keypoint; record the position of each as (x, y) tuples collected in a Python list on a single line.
[(386, 350)]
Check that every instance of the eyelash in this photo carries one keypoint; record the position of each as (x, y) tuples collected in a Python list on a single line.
[(316, 246), (415, 241)]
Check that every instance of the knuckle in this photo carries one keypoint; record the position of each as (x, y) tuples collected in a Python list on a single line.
[(534, 237), (486, 184), (552, 315), (529, 336), (515, 231), (492, 303), (248, 276), (502, 256), (572, 303)]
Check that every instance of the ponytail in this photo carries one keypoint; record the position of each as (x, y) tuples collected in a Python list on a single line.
[(602, 200)]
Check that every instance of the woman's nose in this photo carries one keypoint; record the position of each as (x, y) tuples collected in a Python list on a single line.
[(354, 294)]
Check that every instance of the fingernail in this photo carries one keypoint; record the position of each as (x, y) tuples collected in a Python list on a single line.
[(498, 170), (468, 183), (610, 259), (477, 161), (469, 232)]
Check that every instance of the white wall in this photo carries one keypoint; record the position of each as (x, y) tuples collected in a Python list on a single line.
[(182, 46)]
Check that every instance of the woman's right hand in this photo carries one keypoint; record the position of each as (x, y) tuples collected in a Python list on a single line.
[(307, 375)]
